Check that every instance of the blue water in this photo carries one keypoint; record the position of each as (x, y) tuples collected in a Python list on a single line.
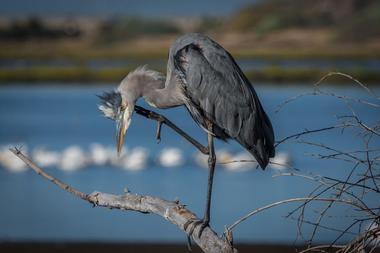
[(56, 117)]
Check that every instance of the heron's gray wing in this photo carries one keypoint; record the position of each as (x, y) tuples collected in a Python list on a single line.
[(218, 90), (210, 96)]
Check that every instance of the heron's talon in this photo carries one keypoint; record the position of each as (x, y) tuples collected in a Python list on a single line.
[(203, 226), (194, 223), (158, 132)]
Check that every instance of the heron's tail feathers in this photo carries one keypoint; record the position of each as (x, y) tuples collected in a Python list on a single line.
[(262, 153), (263, 146)]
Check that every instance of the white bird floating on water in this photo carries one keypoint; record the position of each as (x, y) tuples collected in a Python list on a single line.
[(171, 157), (201, 159), (240, 162), (73, 158), (45, 158), (11, 162), (133, 160), (99, 155), (227, 160), (281, 161), (223, 156)]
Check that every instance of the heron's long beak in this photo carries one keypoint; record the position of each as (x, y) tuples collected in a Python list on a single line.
[(122, 126)]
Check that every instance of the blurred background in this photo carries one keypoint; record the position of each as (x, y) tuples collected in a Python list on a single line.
[(56, 56)]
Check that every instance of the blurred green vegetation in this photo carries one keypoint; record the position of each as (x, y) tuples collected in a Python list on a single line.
[(125, 28), (350, 19), (34, 28), (275, 29), (363, 25), (82, 53), (209, 24)]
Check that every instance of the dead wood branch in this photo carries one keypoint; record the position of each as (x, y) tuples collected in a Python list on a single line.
[(171, 211)]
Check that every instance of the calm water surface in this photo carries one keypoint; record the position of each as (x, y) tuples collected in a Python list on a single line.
[(56, 117)]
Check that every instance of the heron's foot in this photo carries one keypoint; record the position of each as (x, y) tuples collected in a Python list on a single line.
[(158, 131), (193, 223)]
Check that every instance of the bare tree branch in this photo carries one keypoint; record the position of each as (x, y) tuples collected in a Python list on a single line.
[(297, 135), (348, 202), (317, 91), (344, 75), (171, 211), (356, 190)]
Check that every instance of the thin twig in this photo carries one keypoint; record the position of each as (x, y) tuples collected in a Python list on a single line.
[(344, 75), (348, 202), (297, 135)]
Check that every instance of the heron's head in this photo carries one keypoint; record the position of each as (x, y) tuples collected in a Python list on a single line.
[(116, 107)]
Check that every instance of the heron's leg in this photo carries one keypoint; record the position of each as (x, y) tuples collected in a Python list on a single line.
[(211, 166), (163, 120)]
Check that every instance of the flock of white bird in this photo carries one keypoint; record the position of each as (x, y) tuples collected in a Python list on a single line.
[(74, 158)]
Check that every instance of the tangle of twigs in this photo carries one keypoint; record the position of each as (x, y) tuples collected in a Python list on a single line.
[(358, 184)]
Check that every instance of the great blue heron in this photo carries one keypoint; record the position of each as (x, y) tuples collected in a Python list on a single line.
[(204, 77)]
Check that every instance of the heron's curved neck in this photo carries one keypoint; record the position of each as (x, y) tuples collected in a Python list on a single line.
[(163, 97), (152, 89)]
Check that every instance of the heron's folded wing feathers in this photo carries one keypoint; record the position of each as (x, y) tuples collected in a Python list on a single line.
[(211, 93), (217, 89)]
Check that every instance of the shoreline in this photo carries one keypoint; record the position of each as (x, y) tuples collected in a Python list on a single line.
[(38, 75)]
